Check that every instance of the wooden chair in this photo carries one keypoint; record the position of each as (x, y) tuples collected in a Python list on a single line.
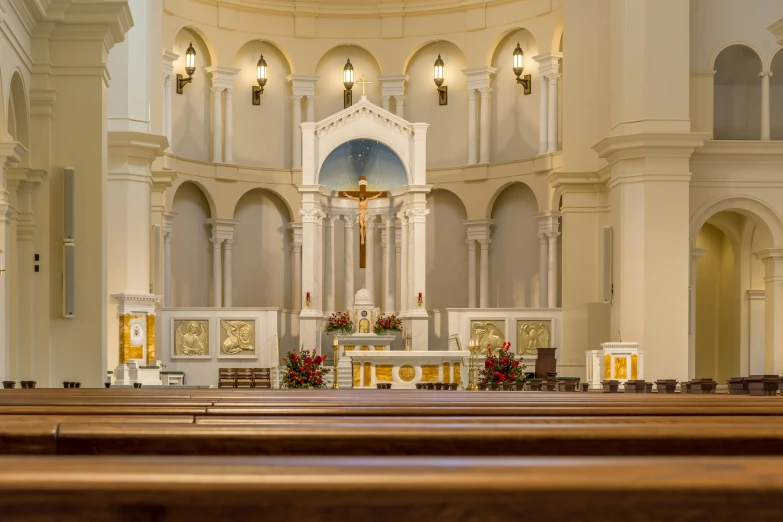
[(262, 378), (244, 377), (227, 378)]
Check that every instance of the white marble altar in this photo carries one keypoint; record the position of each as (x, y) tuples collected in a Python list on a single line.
[(406, 368), (614, 361)]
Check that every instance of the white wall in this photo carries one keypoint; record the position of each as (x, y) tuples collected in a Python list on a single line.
[(190, 111), (261, 252), (191, 250), (513, 252), (447, 252)]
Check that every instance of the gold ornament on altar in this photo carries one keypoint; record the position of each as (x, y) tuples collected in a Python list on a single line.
[(237, 337), (492, 333), (191, 338), (533, 335)]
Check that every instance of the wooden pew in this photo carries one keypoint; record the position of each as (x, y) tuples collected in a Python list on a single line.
[(170, 489)]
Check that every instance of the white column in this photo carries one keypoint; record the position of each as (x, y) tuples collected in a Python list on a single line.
[(167, 125), (369, 272), (552, 270), (543, 271), (773, 305), (411, 263), (296, 252), (348, 265), (471, 273), (472, 135), (330, 289), (296, 140), (486, 101), (390, 258), (543, 118), (384, 268), (217, 273), (404, 305), (310, 108), (167, 268), (552, 120), (385, 102), (399, 106), (696, 254), (765, 75), (229, 142), (484, 269), (228, 285), (397, 266), (217, 125), (319, 287)]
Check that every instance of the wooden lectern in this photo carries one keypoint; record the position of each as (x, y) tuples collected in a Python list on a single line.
[(546, 362)]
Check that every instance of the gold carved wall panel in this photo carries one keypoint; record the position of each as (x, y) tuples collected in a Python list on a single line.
[(191, 338), (532, 335)]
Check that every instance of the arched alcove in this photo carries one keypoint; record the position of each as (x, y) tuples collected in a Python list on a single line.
[(261, 269), (447, 136), (776, 97), (18, 122), (515, 117), (190, 111), (262, 133), (344, 165), (513, 252), (737, 94), (329, 88), (447, 251), (191, 260)]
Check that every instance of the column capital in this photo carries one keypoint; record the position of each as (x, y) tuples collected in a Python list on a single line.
[(302, 84), (167, 235), (222, 77), (548, 63), (296, 98), (479, 77), (222, 229), (484, 243), (296, 233), (478, 229), (552, 78), (310, 101), (471, 244), (770, 256), (168, 64), (228, 243), (697, 253), (402, 215), (766, 73), (216, 243), (371, 222), (393, 84)]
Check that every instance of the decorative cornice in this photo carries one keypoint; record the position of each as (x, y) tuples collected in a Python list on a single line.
[(777, 30), (364, 109), (140, 145), (82, 18), (129, 303)]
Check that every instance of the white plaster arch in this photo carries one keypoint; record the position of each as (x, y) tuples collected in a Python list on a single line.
[(504, 186), (274, 44), (361, 46), (412, 54), (181, 180), (502, 37), (759, 211), (18, 105), (273, 192), (733, 43), (202, 34)]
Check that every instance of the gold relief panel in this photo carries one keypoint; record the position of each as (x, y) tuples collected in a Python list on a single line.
[(446, 372), (237, 338), (406, 373), (357, 372), (191, 338), (607, 367), (532, 335), (364, 349), (430, 373), (383, 373), (348, 348), (490, 332), (457, 373), (634, 366), (150, 338), (364, 326), (379, 348), (620, 368), (367, 374)]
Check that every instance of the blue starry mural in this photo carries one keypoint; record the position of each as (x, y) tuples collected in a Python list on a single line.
[(362, 157)]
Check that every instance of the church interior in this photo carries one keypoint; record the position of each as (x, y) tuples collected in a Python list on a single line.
[(419, 260)]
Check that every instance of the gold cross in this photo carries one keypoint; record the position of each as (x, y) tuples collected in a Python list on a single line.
[(362, 81)]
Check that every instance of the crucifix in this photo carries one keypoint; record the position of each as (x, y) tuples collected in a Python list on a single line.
[(362, 197), (363, 81)]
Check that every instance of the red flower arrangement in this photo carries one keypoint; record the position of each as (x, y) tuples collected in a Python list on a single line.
[(339, 322), (304, 370), (387, 323), (501, 366)]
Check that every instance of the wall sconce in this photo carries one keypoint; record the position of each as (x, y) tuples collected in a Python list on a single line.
[(443, 91), (190, 68), (258, 90), (348, 83), (519, 67)]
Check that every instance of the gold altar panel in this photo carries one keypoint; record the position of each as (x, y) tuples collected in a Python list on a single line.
[(532, 335), (407, 373), (348, 348), (383, 373), (430, 372), (379, 348), (133, 352), (364, 349), (607, 367), (620, 368), (457, 373), (191, 337), (237, 337), (446, 372), (367, 374), (364, 326), (634, 366), (357, 371), (150, 338), (489, 332)]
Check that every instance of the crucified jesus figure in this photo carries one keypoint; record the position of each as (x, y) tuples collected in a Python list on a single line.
[(361, 214)]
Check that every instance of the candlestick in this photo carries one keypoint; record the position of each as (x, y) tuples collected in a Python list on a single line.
[(421, 300), (336, 381), (307, 300)]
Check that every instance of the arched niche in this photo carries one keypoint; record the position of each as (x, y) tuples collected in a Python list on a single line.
[(329, 87), (190, 111), (447, 251), (261, 260), (191, 262), (515, 117), (18, 120), (448, 123), (737, 94), (262, 133), (513, 252), (373, 159), (776, 97)]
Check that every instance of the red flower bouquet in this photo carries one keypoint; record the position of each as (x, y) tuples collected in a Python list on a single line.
[(304, 370), (501, 366), (339, 322), (387, 323)]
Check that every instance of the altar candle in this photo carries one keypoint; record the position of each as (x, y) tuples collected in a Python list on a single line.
[(308, 296), (419, 296), (335, 341)]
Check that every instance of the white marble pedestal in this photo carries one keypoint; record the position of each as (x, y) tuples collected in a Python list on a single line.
[(350, 343), (614, 361)]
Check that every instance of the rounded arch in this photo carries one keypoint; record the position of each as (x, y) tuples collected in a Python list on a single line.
[(359, 46), (737, 104), (762, 214), (776, 94), (274, 193), (726, 45), (424, 44), (441, 190), (557, 37), (502, 188), (380, 140), (204, 192), (271, 43), (388, 161), (18, 110), (501, 38), (212, 56)]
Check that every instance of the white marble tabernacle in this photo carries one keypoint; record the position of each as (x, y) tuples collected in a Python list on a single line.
[(406, 368)]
